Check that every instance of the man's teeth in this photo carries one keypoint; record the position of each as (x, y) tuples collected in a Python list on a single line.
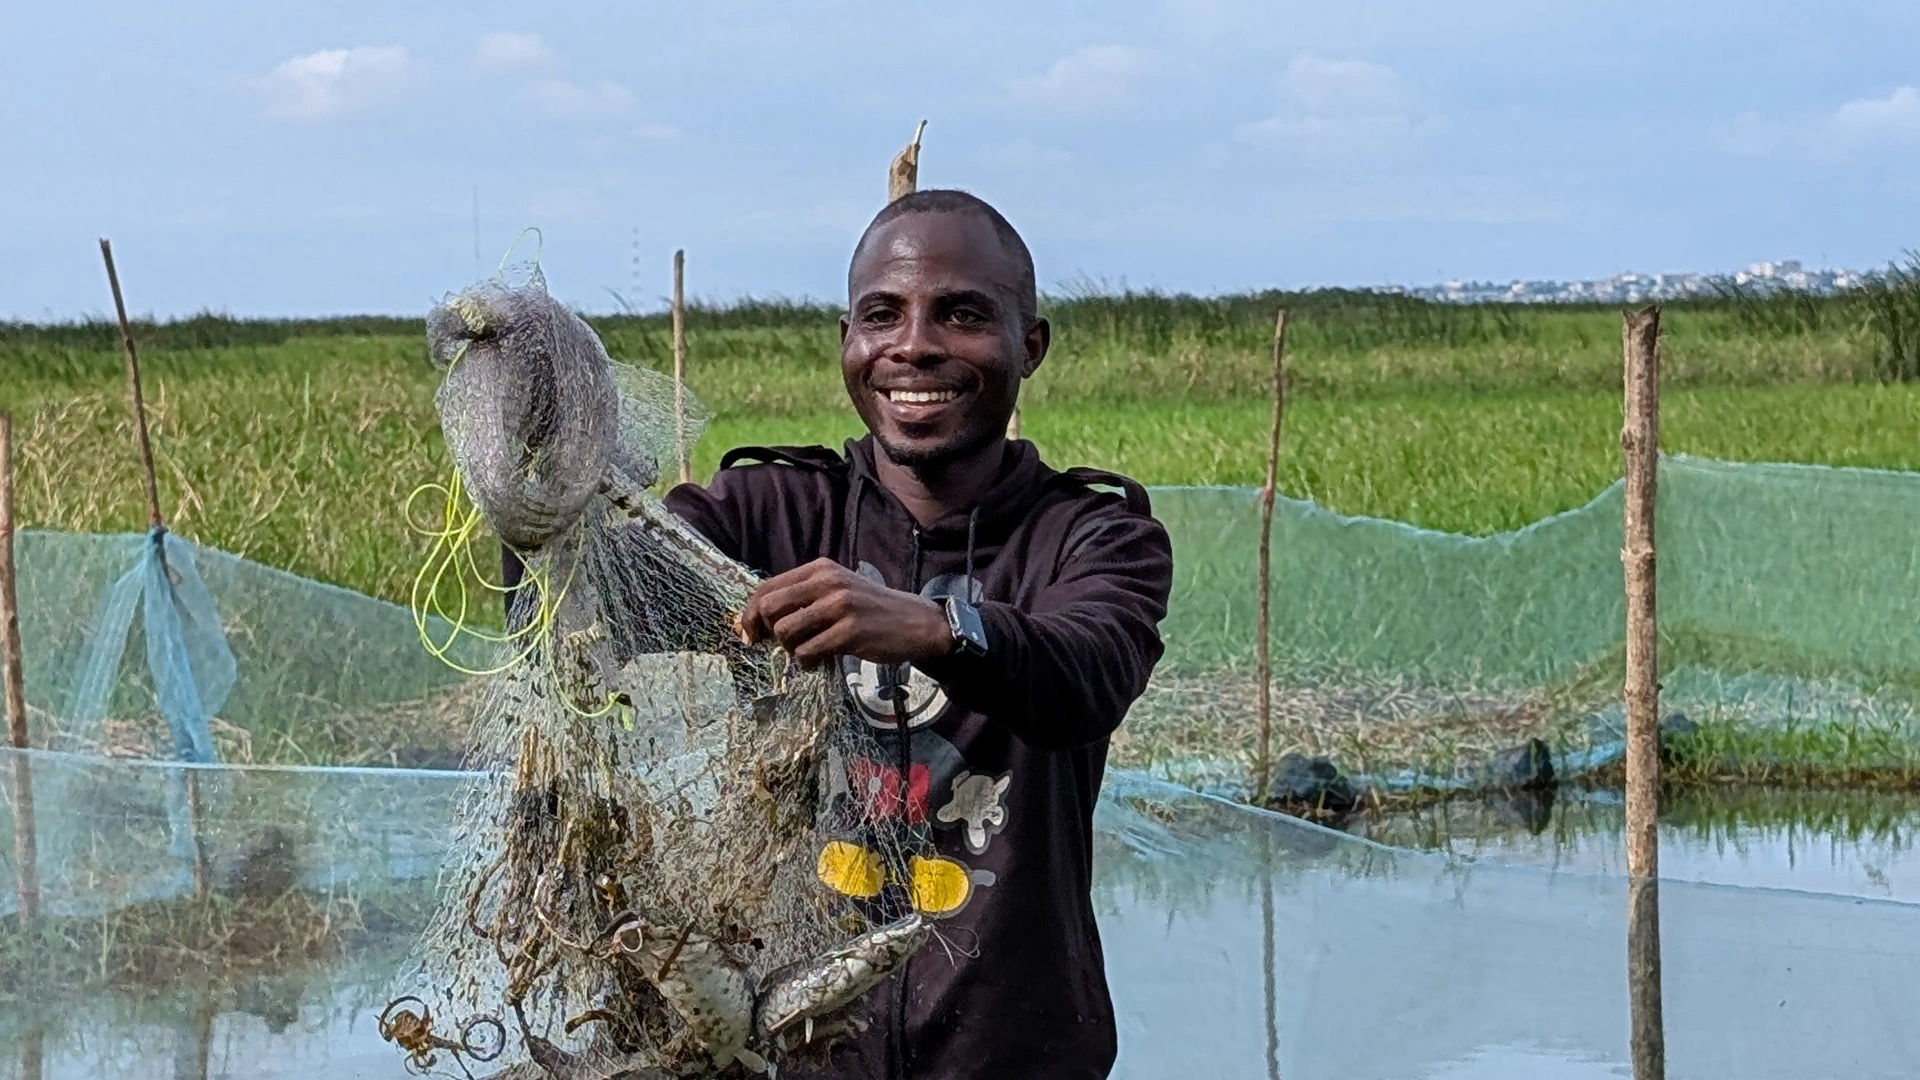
[(921, 397)]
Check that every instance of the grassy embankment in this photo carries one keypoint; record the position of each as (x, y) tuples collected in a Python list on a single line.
[(296, 443)]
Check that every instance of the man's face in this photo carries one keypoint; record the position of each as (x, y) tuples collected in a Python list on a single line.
[(933, 346)]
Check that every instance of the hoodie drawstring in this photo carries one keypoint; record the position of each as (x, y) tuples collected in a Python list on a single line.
[(973, 520), (896, 679), (904, 762), (853, 523)]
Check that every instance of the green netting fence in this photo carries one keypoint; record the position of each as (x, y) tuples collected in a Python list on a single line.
[(1788, 598), (1788, 601)]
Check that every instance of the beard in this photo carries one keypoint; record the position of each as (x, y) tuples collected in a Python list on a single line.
[(965, 443)]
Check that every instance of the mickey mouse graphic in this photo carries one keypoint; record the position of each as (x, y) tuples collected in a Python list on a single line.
[(938, 792)]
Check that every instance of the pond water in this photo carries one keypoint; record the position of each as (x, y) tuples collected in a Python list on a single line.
[(1846, 843), (1246, 944)]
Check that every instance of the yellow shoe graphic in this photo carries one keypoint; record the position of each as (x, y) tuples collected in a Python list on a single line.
[(940, 886), (850, 870)]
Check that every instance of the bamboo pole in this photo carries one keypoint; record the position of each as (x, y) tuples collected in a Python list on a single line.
[(133, 380), (680, 365), (158, 523), (25, 858), (1262, 645), (1640, 446), (903, 175)]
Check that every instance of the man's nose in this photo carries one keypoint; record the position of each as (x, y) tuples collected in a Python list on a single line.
[(921, 341)]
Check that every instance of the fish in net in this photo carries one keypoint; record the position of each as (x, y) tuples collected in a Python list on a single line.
[(661, 871)]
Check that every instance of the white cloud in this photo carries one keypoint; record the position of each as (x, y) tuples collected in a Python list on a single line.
[(1894, 118), (1023, 155), (507, 51), (571, 100), (1854, 128), (1088, 79), (1336, 108), (335, 82), (605, 144), (1344, 87), (1752, 135)]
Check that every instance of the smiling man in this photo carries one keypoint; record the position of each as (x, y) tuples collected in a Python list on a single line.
[(994, 620)]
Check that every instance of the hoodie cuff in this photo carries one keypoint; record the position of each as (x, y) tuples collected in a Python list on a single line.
[(975, 679)]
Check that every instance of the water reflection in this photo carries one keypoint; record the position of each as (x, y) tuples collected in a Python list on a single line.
[(1267, 976), (33, 1049), (1649, 1046), (1371, 962), (204, 1033), (1397, 964), (1852, 843)]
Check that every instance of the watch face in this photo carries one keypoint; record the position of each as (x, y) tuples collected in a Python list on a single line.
[(964, 619)]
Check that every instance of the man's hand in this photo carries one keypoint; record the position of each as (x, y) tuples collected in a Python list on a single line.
[(823, 609)]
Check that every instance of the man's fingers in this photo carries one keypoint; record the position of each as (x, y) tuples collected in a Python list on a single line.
[(799, 626), (771, 607), (803, 572), (778, 597), (822, 647)]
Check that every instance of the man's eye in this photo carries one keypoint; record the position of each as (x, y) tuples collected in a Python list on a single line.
[(880, 317), (967, 317)]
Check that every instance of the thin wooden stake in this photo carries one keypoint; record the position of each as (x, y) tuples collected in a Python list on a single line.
[(680, 365), (1262, 645), (156, 521), (25, 859), (1013, 424), (133, 380), (16, 694), (903, 175), (1640, 446)]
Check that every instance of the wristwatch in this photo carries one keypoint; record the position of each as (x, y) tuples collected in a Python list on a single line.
[(969, 633)]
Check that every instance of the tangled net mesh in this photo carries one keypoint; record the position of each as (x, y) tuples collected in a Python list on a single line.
[(658, 800)]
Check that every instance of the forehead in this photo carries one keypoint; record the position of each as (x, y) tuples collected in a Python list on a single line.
[(933, 251)]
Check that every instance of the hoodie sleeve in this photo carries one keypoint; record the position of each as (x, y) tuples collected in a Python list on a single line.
[(717, 512), (1063, 672)]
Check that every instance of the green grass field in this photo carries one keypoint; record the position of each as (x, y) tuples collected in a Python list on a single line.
[(296, 444)]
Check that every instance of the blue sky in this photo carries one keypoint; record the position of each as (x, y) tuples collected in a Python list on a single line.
[(323, 157)]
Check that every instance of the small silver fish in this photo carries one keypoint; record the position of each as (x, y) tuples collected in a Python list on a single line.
[(704, 982), (815, 989)]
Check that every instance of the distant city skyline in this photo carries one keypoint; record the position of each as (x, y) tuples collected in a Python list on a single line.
[(1632, 286)]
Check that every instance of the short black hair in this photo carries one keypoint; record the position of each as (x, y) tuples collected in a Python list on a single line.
[(955, 201)]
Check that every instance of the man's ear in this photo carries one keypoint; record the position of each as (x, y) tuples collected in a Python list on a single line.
[(844, 324), (1039, 338)]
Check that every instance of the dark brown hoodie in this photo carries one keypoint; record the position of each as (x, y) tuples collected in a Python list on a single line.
[(1007, 750)]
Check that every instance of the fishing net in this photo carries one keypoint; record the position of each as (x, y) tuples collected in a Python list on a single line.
[(631, 758), (664, 838), (1425, 663)]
